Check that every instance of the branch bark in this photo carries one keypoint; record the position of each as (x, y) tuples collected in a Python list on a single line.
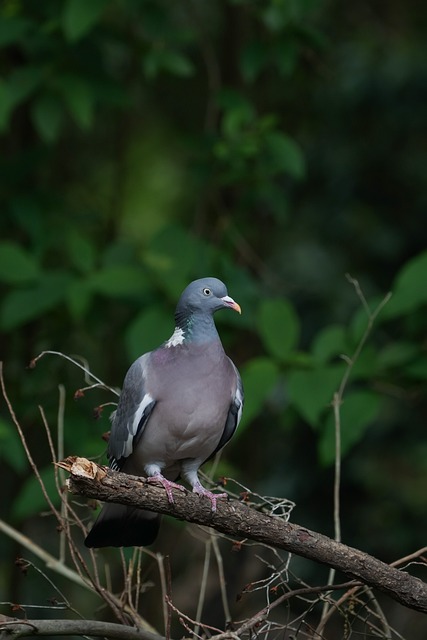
[(239, 520), (11, 628)]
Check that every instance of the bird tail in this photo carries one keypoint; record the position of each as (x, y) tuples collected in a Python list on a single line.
[(121, 526)]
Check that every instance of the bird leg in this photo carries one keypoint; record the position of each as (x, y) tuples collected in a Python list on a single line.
[(213, 497), (189, 471), (168, 485)]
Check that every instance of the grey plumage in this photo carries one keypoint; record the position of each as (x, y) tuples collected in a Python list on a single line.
[(180, 404)]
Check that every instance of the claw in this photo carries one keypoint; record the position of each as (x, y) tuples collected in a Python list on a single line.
[(168, 485), (213, 497)]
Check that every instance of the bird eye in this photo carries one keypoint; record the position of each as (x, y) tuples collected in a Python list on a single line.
[(207, 291)]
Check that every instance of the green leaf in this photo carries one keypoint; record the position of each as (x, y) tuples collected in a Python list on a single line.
[(253, 59), (417, 370), (31, 500), (238, 112), (24, 81), (79, 97), (80, 16), (229, 99), (285, 56), (11, 449), (16, 88), (329, 343), (79, 296), (277, 15), (311, 392), (119, 281), (174, 254), (285, 155), (358, 411), (397, 354), (236, 119), (149, 329), (17, 266), (47, 115), (409, 292), (279, 327), (358, 325), (259, 377), (173, 62), (366, 365), (81, 251), (12, 29), (22, 306), (177, 63), (6, 105), (29, 215)]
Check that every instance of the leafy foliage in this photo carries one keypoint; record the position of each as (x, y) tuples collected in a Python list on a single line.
[(273, 144)]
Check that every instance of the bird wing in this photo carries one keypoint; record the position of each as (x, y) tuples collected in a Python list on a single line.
[(132, 414), (234, 413)]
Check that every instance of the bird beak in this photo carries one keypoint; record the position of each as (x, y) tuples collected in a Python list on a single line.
[(229, 302)]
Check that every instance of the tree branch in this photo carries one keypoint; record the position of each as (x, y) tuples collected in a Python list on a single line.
[(237, 519), (11, 628)]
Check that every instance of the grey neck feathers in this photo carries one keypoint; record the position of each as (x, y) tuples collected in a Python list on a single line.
[(197, 327)]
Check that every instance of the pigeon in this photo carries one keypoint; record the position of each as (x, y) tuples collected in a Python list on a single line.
[(180, 404)]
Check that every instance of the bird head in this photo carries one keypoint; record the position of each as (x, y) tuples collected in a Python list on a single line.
[(205, 295)]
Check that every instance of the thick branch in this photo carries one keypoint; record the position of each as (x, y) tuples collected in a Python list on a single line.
[(11, 628), (238, 520)]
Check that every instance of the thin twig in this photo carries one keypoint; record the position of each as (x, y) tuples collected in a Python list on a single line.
[(408, 558), (203, 585), (138, 585), (221, 576), (336, 404), (50, 561), (260, 616), (89, 375), (188, 619), (65, 600), (24, 443), (169, 595), (379, 613), (60, 456), (165, 592), (352, 592)]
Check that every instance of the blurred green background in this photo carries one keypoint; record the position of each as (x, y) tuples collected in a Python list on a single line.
[(275, 144)]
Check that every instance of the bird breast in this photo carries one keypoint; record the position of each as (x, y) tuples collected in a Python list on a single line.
[(191, 408)]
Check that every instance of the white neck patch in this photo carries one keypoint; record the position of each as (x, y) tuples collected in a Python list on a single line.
[(176, 338)]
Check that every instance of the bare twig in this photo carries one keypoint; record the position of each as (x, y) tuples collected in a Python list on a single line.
[(85, 368), (189, 620), (221, 577), (412, 556), (354, 589), (203, 584), (50, 561), (336, 404), (61, 454), (165, 591)]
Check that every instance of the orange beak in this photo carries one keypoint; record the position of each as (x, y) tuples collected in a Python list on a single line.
[(229, 302)]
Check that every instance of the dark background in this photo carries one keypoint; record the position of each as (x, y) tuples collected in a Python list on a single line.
[(278, 145)]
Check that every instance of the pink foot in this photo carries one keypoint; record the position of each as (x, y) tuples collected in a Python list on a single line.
[(213, 497), (167, 484)]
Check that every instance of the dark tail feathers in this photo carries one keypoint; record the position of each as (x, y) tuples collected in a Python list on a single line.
[(121, 526)]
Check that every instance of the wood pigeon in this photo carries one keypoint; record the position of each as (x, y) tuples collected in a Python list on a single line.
[(180, 404)]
